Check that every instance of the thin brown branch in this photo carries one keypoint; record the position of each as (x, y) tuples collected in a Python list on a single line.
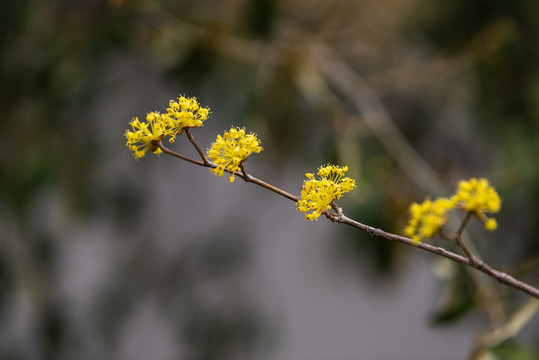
[(179, 156), (243, 174), (270, 187), (199, 150), (460, 242), (463, 224), (339, 217), (487, 295), (476, 264)]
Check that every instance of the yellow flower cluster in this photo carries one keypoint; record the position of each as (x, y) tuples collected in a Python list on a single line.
[(186, 112), (317, 194), (427, 218), (475, 196), (231, 149), (145, 135)]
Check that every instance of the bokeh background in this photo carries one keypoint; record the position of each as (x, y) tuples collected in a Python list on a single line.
[(106, 257)]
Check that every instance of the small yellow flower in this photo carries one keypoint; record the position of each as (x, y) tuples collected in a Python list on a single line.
[(478, 196), (490, 224), (427, 218), (184, 113), (231, 149), (317, 194), (145, 134)]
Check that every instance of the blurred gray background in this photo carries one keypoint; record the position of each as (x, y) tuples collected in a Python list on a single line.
[(106, 257)]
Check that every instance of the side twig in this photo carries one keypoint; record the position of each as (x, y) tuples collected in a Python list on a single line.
[(198, 149)]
